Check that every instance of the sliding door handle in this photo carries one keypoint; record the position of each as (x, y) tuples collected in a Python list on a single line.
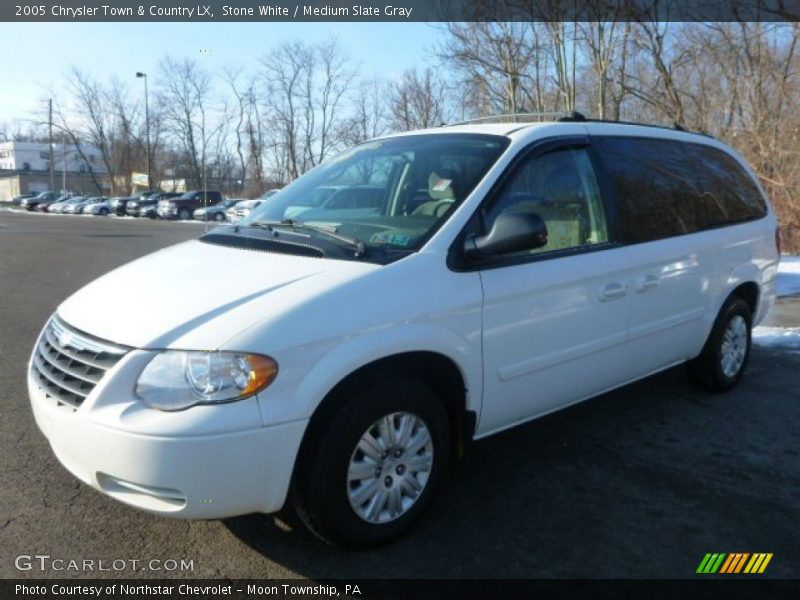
[(612, 291)]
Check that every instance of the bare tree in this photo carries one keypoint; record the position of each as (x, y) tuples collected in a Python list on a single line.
[(602, 40), (418, 101), (190, 113), (369, 115), (306, 87), (493, 58)]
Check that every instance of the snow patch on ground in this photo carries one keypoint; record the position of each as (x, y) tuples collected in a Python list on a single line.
[(788, 282), (777, 337)]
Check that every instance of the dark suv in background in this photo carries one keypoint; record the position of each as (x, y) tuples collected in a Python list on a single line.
[(183, 207), (146, 205), (32, 202)]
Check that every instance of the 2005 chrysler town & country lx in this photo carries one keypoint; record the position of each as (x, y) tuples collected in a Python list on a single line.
[(408, 295)]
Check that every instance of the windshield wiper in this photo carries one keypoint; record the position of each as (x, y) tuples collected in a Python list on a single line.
[(359, 248)]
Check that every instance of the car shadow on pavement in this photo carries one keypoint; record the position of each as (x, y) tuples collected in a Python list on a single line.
[(585, 491)]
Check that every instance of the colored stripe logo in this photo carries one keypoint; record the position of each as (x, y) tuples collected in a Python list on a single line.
[(734, 562)]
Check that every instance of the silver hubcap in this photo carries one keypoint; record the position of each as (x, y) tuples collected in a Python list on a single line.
[(389, 467), (734, 346)]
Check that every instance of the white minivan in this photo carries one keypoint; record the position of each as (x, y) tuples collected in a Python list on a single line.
[(466, 279)]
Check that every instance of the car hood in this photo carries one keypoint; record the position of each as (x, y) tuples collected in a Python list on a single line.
[(197, 295)]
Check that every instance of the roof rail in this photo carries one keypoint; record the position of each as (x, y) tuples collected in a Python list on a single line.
[(675, 127), (526, 117), (563, 117)]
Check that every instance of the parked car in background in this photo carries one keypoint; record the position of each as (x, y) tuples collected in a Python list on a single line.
[(242, 209), (148, 209), (148, 206), (218, 212), (78, 208), (17, 200), (60, 206), (32, 203), (45, 206), (183, 206), (101, 209), (118, 204), (132, 207)]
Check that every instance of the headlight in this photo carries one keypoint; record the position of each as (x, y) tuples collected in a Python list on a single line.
[(175, 380)]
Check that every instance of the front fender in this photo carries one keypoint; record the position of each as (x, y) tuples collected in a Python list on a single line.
[(299, 393)]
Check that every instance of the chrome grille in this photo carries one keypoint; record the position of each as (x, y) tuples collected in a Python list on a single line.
[(68, 363)]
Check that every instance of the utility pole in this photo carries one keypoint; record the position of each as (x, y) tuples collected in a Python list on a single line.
[(64, 171), (147, 130), (52, 155)]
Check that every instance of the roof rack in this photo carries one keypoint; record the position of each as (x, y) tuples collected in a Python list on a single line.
[(578, 117), (526, 117), (563, 117)]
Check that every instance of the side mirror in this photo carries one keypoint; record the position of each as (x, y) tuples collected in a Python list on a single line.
[(511, 232)]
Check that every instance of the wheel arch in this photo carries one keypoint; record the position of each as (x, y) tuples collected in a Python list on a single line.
[(748, 291), (440, 372)]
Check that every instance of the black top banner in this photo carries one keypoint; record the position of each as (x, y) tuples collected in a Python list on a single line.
[(398, 10)]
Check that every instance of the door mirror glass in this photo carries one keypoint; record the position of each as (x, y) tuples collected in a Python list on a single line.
[(511, 232)]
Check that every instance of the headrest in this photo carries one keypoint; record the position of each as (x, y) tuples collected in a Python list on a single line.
[(440, 187)]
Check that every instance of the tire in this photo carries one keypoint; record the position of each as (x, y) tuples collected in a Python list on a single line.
[(721, 364), (219, 216), (103, 212), (184, 214), (326, 497)]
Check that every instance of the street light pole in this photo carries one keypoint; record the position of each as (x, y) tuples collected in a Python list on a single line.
[(50, 144), (147, 128)]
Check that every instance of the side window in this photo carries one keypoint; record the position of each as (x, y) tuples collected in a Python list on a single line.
[(561, 188), (657, 191), (729, 194)]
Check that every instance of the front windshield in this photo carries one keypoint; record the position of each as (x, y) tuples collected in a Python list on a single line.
[(391, 193)]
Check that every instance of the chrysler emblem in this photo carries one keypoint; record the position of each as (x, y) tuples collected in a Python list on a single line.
[(65, 339)]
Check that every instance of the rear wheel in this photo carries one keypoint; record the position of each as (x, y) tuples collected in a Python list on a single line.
[(184, 214), (103, 212), (219, 216), (374, 468), (722, 362)]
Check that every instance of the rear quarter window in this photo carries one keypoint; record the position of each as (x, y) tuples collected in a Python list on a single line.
[(729, 193), (667, 188)]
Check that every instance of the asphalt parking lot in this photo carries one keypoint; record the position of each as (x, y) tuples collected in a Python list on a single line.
[(638, 483)]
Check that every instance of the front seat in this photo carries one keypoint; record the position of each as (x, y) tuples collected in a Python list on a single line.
[(440, 189)]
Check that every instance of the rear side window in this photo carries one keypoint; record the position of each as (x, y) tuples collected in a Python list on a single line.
[(729, 194), (666, 188)]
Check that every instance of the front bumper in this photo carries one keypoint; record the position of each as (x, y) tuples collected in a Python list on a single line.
[(215, 462)]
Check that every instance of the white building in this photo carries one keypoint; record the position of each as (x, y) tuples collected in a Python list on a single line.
[(35, 156)]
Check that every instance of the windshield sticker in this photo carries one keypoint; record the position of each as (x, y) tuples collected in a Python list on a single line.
[(387, 237)]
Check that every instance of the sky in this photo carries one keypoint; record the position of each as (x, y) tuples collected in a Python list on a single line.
[(37, 55)]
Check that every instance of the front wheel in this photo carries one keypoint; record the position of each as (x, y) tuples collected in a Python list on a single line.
[(184, 214), (375, 465), (219, 216), (722, 362)]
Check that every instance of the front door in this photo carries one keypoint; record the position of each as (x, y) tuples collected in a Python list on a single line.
[(554, 318)]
